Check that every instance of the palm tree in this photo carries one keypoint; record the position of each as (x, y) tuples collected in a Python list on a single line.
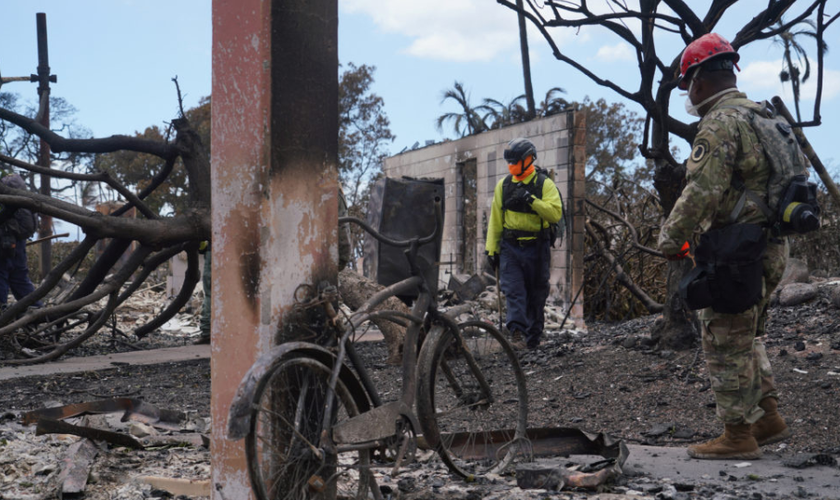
[(468, 122), (796, 68), (504, 114), (552, 103)]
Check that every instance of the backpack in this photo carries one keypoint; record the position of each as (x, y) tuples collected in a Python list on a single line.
[(19, 222), (792, 206), (556, 231)]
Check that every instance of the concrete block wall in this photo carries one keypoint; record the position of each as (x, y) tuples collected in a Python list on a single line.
[(555, 138)]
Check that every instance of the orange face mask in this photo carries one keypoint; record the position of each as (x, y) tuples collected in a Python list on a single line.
[(519, 171)]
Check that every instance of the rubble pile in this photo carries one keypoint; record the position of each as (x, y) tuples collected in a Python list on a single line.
[(608, 378), (64, 465), (117, 336)]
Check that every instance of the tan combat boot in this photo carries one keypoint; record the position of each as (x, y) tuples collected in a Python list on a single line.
[(736, 442), (517, 340), (770, 428)]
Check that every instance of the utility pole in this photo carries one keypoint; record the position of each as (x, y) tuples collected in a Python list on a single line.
[(44, 78)]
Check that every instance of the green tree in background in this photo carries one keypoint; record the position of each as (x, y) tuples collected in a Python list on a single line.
[(613, 135), (363, 137), (466, 122), (17, 143), (136, 170), (493, 113), (499, 114), (363, 132), (553, 103), (621, 212)]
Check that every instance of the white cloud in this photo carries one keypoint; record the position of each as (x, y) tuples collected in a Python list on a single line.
[(450, 30), (760, 79), (618, 52)]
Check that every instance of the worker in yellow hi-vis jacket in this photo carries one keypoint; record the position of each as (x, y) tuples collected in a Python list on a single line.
[(525, 205)]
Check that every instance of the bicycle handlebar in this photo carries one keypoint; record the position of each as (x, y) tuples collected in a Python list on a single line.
[(399, 243)]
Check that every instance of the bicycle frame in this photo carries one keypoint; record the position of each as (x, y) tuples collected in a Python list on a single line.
[(239, 416), (416, 319)]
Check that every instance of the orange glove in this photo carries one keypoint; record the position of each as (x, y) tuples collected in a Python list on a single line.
[(683, 253)]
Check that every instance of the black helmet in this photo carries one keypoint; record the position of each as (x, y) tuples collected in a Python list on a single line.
[(519, 149)]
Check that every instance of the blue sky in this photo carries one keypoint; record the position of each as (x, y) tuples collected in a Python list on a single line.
[(115, 59)]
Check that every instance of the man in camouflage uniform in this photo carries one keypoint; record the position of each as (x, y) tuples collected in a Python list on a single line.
[(726, 148)]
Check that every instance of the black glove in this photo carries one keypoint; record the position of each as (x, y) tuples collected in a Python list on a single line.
[(493, 262), (521, 199)]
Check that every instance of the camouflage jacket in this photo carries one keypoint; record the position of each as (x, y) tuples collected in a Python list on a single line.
[(725, 145)]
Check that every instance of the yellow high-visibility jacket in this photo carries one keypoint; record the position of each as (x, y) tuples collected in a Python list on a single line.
[(549, 209)]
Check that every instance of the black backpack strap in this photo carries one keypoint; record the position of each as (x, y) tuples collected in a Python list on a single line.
[(535, 188), (7, 213), (505, 188), (539, 183)]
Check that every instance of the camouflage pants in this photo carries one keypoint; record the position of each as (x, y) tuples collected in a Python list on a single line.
[(775, 261), (736, 357)]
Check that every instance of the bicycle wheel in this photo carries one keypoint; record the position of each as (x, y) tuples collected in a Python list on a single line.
[(471, 399), (282, 446)]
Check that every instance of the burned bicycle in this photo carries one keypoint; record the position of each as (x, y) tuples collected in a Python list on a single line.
[(315, 425)]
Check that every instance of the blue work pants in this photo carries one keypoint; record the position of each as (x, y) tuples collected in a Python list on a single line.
[(14, 274), (524, 272)]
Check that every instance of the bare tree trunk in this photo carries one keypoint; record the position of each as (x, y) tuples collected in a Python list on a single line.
[(676, 332), (622, 277), (355, 290), (526, 61)]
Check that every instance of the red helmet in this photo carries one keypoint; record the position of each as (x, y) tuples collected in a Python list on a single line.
[(707, 47)]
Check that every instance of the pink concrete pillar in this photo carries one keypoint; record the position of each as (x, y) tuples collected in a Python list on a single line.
[(275, 187)]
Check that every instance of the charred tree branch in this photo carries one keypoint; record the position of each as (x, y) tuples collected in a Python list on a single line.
[(60, 144), (49, 282), (111, 285), (622, 277), (132, 199), (634, 235), (152, 263), (63, 348), (190, 279)]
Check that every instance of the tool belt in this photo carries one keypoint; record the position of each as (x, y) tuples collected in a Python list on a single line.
[(728, 275)]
